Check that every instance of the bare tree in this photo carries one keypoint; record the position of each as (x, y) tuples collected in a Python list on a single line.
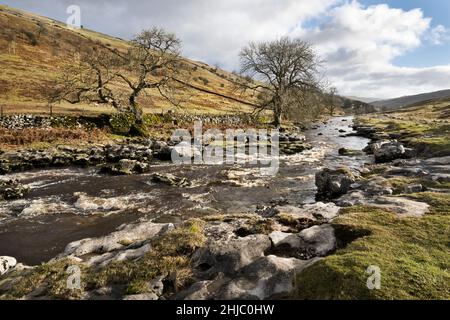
[(330, 100), (279, 71), (103, 75), (307, 108)]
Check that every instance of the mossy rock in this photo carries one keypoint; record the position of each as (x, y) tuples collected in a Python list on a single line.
[(122, 123), (157, 119)]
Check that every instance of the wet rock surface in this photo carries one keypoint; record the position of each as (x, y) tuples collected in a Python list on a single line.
[(6, 263), (12, 189), (170, 180)]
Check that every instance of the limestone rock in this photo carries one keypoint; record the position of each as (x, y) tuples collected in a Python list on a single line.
[(386, 151), (281, 238), (401, 206), (268, 277), (230, 256), (6, 264), (413, 188), (117, 240), (333, 183), (321, 210), (319, 238)]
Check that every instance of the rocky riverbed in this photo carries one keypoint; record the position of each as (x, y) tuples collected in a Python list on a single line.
[(137, 227)]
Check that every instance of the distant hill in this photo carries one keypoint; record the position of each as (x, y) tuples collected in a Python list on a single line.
[(397, 103), (33, 50), (362, 99)]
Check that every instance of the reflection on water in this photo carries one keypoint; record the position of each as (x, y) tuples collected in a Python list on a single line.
[(70, 204)]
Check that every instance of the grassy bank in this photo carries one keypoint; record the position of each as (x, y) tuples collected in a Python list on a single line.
[(424, 127), (412, 254)]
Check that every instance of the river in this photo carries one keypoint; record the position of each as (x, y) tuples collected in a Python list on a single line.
[(71, 204)]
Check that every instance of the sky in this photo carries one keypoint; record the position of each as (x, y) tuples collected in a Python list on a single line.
[(370, 48)]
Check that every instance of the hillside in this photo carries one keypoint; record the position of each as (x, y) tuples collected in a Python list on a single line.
[(362, 99), (411, 100), (33, 49)]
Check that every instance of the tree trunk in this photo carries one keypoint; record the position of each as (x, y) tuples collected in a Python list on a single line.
[(136, 110), (277, 118)]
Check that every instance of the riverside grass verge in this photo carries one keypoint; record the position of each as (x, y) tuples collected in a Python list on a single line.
[(412, 254)]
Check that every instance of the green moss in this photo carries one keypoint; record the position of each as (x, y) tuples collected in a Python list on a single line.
[(152, 119), (121, 123), (412, 254)]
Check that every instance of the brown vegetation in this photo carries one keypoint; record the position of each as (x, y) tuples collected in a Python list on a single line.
[(11, 138)]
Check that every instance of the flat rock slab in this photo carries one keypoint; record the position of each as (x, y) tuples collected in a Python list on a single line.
[(228, 257), (117, 240), (315, 211), (320, 210), (268, 277), (401, 206)]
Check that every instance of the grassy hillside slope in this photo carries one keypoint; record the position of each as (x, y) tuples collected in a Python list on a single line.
[(33, 49), (396, 103)]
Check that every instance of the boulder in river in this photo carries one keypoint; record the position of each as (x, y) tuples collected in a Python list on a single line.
[(170, 179), (6, 263), (332, 183), (386, 151), (12, 189), (290, 148), (126, 167), (350, 152)]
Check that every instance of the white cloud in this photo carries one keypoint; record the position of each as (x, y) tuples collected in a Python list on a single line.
[(359, 44), (439, 35)]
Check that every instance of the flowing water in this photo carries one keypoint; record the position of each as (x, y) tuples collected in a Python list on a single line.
[(71, 204)]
